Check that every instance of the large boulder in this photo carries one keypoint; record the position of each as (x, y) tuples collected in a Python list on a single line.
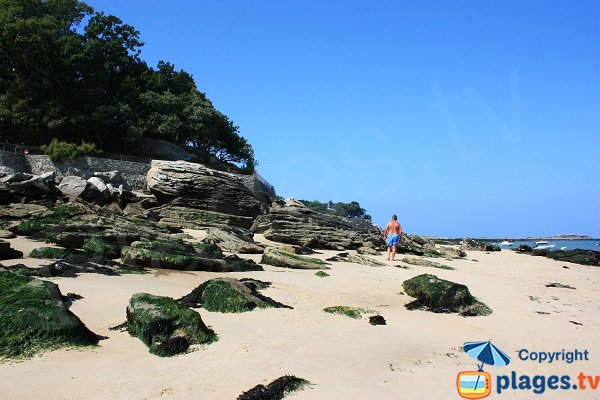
[(73, 186), (234, 240), (279, 258), (22, 185), (201, 188), (7, 252), (228, 295), (440, 295), (34, 318), (165, 326), (292, 222)]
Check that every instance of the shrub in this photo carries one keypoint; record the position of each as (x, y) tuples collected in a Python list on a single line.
[(61, 151)]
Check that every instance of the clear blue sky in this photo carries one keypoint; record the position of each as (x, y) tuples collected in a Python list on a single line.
[(465, 118)]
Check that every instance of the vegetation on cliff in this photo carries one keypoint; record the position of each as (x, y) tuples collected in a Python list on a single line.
[(70, 73)]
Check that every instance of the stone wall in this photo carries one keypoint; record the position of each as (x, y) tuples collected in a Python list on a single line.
[(134, 173)]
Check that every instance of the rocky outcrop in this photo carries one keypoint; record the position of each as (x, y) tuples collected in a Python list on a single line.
[(235, 240), (177, 214), (34, 318), (179, 256), (279, 258), (7, 252), (473, 245), (228, 295), (426, 263), (440, 295), (23, 187), (420, 246), (201, 188), (165, 326), (292, 222), (276, 390)]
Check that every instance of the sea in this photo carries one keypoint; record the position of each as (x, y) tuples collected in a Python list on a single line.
[(591, 244)]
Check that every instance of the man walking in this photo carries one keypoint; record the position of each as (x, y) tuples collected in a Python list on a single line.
[(392, 235)]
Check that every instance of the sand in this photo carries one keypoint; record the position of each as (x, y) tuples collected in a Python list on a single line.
[(417, 355)]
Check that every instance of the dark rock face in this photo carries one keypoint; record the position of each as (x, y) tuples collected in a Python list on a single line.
[(577, 256), (439, 295), (165, 326), (34, 318), (7, 252), (228, 295), (201, 188), (22, 187), (275, 390), (292, 222), (377, 320)]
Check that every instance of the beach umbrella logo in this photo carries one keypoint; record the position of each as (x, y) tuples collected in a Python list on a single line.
[(478, 384)]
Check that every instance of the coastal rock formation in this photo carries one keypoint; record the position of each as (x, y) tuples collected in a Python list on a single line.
[(473, 245), (34, 318), (177, 214), (364, 260), (440, 295), (165, 326), (426, 263), (23, 187), (279, 258), (201, 188), (232, 239), (292, 222), (179, 256), (577, 256), (228, 295), (368, 251)]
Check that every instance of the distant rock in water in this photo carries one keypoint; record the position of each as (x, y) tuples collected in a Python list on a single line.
[(275, 390), (35, 318), (292, 222), (473, 245), (577, 256), (440, 295), (220, 198)]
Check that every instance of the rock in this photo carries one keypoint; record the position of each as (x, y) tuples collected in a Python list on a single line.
[(99, 184), (305, 251), (228, 295), (377, 320), (233, 240), (559, 285), (426, 263), (184, 261), (34, 187), (6, 234), (181, 216), (5, 171), (7, 252), (20, 211), (473, 245), (275, 390), (524, 249), (165, 326), (35, 318), (364, 260), (293, 223), (112, 177), (49, 218), (201, 188), (368, 251), (577, 256), (439, 295), (16, 177), (278, 258), (73, 186)]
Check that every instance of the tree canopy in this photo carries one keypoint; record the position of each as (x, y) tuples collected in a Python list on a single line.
[(351, 210), (71, 73)]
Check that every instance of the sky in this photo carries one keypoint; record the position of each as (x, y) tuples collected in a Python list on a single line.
[(464, 118)]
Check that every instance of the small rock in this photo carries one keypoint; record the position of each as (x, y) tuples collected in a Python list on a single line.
[(377, 320)]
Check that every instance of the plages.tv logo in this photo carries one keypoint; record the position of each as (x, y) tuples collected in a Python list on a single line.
[(478, 384)]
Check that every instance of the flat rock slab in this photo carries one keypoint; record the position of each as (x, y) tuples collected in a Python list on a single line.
[(279, 258)]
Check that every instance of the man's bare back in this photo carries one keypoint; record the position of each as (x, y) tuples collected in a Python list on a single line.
[(392, 235), (393, 227)]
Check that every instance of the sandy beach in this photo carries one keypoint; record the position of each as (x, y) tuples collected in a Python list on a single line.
[(416, 355)]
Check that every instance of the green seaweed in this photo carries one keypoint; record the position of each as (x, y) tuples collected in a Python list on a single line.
[(158, 320), (352, 312), (321, 274), (97, 246), (56, 216), (50, 252), (33, 318), (219, 296)]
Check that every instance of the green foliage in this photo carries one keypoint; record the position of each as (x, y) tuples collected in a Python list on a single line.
[(61, 151), (321, 274), (33, 318), (50, 252), (75, 74), (352, 312), (351, 210), (156, 320), (58, 215)]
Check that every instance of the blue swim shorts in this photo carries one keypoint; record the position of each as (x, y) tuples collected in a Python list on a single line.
[(392, 239)]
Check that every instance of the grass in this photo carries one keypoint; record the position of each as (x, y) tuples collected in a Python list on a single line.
[(50, 252), (321, 274), (33, 318), (164, 325), (55, 216), (352, 312)]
